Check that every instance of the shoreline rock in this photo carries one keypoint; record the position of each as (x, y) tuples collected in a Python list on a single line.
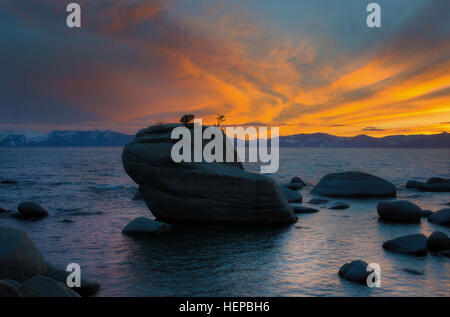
[(354, 184)]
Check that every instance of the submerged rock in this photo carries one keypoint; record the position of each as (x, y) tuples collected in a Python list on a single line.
[(339, 205), (9, 288), (414, 244), (4, 211), (291, 195), (43, 286), (438, 241), (200, 191), (32, 210), (354, 184), (146, 226), (299, 209), (399, 211), (441, 217), (445, 253), (19, 257), (356, 271), (434, 184), (87, 287), (317, 201)]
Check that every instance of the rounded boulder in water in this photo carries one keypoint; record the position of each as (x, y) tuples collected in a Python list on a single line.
[(413, 244), (354, 184), (19, 257), (399, 211), (43, 286), (438, 241), (356, 271), (32, 210), (441, 217), (146, 226)]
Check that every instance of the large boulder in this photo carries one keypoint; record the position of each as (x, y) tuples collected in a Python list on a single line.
[(30, 209), (19, 257), (87, 287), (43, 286), (354, 184), (414, 244), (438, 241), (216, 192), (441, 217), (146, 226), (399, 211), (355, 271)]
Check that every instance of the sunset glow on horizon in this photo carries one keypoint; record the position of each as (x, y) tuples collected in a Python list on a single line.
[(305, 66)]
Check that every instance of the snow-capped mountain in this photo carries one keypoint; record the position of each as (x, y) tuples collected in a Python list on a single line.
[(441, 140), (110, 138), (64, 138)]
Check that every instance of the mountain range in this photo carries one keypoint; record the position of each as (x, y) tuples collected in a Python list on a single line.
[(110, 138)]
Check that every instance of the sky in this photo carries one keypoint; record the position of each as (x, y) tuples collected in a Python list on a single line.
[(304, 66)]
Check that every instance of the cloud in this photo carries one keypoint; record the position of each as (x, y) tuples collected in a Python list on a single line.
[(136, 62), (372, 129)]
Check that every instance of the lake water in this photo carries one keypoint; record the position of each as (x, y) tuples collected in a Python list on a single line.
[(89, 187)]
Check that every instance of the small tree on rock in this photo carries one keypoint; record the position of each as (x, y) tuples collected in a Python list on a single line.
[(187, 119), (220, 119)]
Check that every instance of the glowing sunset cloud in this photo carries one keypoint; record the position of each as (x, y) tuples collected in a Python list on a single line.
[(306, 66)]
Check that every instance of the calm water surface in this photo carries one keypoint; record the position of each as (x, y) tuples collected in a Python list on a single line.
[(89, 187)]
